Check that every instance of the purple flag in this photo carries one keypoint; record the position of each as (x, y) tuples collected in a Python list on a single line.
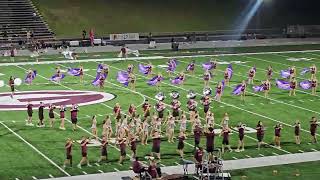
[(237, 90), (144, 69), (56, 77), (123, 78), (304, 71), (305, 84), (178, 80), (96, 81), (281, 84), (258, 88), (101, 67), (153, 81), (74, 71), (172, 65), (285, 73), (30, 77), (209, 65)]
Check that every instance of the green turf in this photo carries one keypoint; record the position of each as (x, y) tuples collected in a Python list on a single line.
[(51, 141)]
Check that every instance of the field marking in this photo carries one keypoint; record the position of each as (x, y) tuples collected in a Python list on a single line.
[(35, 149), (162, 165), (84, 172), (100, 171), (116, 169), (97, 164), (50, 175), (17, 179), (248, 156), (261, 155), (301, 151), (33, 177), (203, 118), (177, 163), (275, 154), (149, 58), (314, 150), (235, 158)]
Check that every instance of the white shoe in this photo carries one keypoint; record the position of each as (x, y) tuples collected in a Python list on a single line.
[(242, 150), (237, 150), (79, 166), (89, 165), (62, 128)]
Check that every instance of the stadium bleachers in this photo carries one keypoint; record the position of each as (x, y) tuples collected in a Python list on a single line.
[(17, 17)]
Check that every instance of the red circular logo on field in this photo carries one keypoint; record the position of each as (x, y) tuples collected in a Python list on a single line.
[(56, 97)]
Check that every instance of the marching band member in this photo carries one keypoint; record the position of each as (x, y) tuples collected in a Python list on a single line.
[(297, 129), (210, 141), (74, 115), (29, 112), (62, 111), (181, 139), (313, 71), (197, 132), (260, 134), (183, 124), (132, 141), (266, 88), (156, 141), (41, 116), (225, 142), (122, 141), (314, 85), (68, 147), (293, 86), (210, 119), (198, 158), (206, 78), (51, 114), (170, 128), (107, 127), (251, 75), (81, 73), (84, 154), (104, 151), (225, 121), (130, 68), (219, 91), (132, 81), (146, 107), (132, 111), (11, 85), (145, 132), (269, 72), (94, 127), (277, 135), (101, 81), (313, 129), (226, 77), (292, 72), (243, 90), (160, 106), (117, 111), (241, 129), (206, 100), (190, 68), (192, 105)]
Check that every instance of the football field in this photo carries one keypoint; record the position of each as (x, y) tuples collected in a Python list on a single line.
[(34, 153)]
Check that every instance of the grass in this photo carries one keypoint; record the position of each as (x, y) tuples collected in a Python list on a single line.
[(50, 141)]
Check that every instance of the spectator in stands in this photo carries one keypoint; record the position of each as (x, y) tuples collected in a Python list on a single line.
[(34, 16), (137, 167), (149, 37), (84, 34), (5, 35), (91, 36), (28, 36), (32, 35)]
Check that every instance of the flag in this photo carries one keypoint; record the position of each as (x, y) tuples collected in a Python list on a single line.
[(74, 71), (29, 79), (190, 67), (285, 73), (281, 84), (56, 77), (222, 88), (123, 78), (172, 65), (237, 90), (96, 81), (305, 84), (177, 80), (304, 71), (144, 69), (258, 88), (153, 81), (208, 66)]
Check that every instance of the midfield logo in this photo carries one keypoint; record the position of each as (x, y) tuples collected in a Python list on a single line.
[(56, 97)]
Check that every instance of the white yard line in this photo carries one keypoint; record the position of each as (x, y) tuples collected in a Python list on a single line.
[(248, 156), (314, 150), (116, 169), (35, 149), (84, 172), (33, 177), (301, 151), (235, 158), (275, 154), (50, 175), (100, 171), (261, 155)]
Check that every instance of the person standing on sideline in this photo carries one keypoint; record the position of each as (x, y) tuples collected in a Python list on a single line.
[(29, 111), (297, 129), (74, 115), (41, 116), (91, 36)]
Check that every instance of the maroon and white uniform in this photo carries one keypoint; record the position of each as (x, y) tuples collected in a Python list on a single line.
[(68, 150), (277, 131), (160, 107), (132, 111), (29, 110), (117, 112), (74, 114), (205, 101), (251, 73), (175, 105), (62, 112), (146, 109), (84, 148), (192, 105)]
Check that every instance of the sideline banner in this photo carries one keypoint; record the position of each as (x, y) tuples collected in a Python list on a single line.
[(125, 36)]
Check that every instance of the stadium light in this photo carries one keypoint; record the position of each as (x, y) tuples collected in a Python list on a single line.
[(247, 14)]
